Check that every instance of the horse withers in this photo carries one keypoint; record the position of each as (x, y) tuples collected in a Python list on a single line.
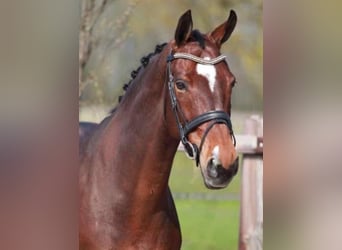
[(181, 93)]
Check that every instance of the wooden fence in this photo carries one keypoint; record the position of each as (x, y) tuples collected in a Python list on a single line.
[(250, 146)]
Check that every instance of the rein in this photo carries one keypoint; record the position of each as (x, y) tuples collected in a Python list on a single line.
[(215, 116)]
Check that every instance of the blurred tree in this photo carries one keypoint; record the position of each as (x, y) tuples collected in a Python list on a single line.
[(91, 10), (99, 33)]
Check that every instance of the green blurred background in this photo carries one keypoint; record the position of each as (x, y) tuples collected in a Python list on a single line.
[(116, 34)]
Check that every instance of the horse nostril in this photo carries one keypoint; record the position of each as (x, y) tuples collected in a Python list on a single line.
[(218, 171), (235, 166), (212, 169), (215, 170)]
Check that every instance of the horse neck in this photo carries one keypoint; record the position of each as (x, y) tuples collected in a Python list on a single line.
[(142, 144)]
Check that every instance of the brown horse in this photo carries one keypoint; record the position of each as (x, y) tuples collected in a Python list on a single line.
[(182, 93)]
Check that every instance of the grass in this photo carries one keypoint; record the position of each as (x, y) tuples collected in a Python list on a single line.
[(205, 224), (209, 224)]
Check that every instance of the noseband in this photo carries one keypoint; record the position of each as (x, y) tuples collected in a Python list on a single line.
[(213, 116)]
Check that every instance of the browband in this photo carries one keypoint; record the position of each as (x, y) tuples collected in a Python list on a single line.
[(196, 58)]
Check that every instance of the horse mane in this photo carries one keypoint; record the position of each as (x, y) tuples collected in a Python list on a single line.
[(144, 62), (195, 36)]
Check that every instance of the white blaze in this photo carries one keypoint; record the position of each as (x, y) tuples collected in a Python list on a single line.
[(216, 153), (208, 71)]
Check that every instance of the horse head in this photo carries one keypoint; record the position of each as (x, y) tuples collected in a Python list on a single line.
[(200, 86)]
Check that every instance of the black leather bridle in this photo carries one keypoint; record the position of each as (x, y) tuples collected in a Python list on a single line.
[(213, 116)]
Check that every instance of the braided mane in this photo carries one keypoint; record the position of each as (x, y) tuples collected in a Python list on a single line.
[(144, 61), (195, 36)]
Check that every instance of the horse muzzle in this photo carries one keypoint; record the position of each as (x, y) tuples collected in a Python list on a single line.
[(216, 176)]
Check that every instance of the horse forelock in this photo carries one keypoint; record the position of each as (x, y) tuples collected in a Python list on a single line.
[(197, 36)]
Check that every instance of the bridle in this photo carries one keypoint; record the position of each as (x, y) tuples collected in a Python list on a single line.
[(213, 116)]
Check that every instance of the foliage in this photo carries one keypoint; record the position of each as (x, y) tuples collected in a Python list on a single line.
[(99, 34)]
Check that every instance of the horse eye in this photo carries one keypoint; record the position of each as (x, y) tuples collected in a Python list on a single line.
[(181, 85)]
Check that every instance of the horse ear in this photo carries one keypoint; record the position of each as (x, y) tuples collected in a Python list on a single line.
[(184, 28), (223, 32)]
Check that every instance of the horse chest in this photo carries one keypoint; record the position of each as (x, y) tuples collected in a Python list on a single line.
[(159, 234), (134, 228)]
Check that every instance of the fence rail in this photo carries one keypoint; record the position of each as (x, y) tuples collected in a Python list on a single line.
[(206, 196), (245, 144)]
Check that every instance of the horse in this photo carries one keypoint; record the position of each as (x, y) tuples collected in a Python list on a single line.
[(180, 94)]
